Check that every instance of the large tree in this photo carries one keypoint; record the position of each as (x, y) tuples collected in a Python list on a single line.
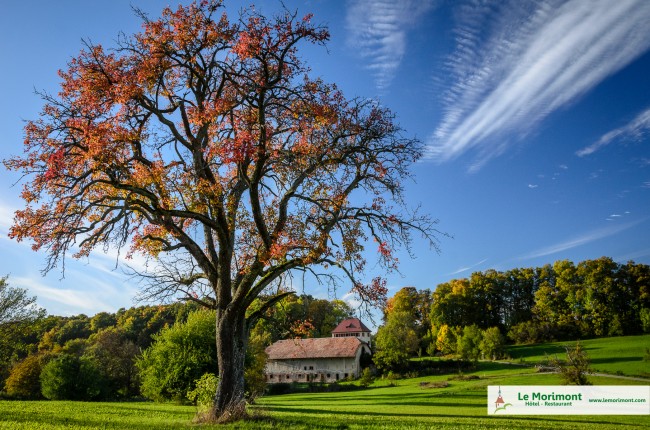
[(203, 142)]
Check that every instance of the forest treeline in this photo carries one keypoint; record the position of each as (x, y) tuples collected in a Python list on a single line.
[(475, 317), (554, 302), (161, 352), (156, 352)]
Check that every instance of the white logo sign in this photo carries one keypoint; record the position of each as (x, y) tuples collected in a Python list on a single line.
[(568, 400)]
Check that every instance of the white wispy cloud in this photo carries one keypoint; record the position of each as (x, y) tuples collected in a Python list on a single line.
[(114, 261), (632, 256), (533, 186), (615, 216), (634, 130), (465, 269), (77, 300), (377, 29), (6, 217), (583, 239), (516, 62)]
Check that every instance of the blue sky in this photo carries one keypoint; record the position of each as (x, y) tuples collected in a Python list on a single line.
[(535, 116)]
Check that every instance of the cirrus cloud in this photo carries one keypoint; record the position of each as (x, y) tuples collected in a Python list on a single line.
[(378, 30), (517, 62), (635, 130), (580, 240)]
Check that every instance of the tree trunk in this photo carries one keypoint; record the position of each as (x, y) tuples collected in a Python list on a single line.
[(229, 402)]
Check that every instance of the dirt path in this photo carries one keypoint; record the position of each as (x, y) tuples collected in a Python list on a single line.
[(629, 378)]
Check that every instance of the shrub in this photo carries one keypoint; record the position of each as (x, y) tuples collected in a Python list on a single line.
[(68, 377), (367, 378), (537, 331), (437, 384), (461, 377), (644, 315), (279, 388), (203, 393), (574, 371), (179, 356)]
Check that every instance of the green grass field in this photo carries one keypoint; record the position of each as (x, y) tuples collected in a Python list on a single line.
[(615, 355), (460, 405)]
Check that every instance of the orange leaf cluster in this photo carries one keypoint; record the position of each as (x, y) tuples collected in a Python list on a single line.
[(207, 136)]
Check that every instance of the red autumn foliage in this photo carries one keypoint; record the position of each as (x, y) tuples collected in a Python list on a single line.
[(204, 143)]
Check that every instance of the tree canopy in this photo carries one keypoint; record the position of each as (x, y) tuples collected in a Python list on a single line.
[(203, 142), (15, 304), (560, 301)]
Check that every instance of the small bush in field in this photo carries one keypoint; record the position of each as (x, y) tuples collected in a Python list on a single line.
[(576, 367), (366, 378), (203, 393)]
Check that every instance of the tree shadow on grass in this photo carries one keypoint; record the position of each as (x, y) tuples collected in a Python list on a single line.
[(499, 421), (528, 351), (66, 421), (425, 399), (615, 360)]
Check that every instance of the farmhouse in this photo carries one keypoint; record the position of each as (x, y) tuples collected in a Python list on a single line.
[(352, 327), (326, 359)]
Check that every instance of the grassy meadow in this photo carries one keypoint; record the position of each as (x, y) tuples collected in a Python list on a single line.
[(459, 403), (615, 355)]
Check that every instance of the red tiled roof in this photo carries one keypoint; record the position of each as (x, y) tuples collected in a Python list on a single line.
[(351, 325), (326, 347)]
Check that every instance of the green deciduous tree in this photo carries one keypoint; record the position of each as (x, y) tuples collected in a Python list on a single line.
[(644, 316), (446, 340), (139, 324), (24, 379), (287, 318), (395, 342), (561, 301), (254, 375), (418, 304), (102, 320), (179, 355), (115, 355), (468, 343), (16, 305), (492, 343), (21, 339), (68, 377)]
